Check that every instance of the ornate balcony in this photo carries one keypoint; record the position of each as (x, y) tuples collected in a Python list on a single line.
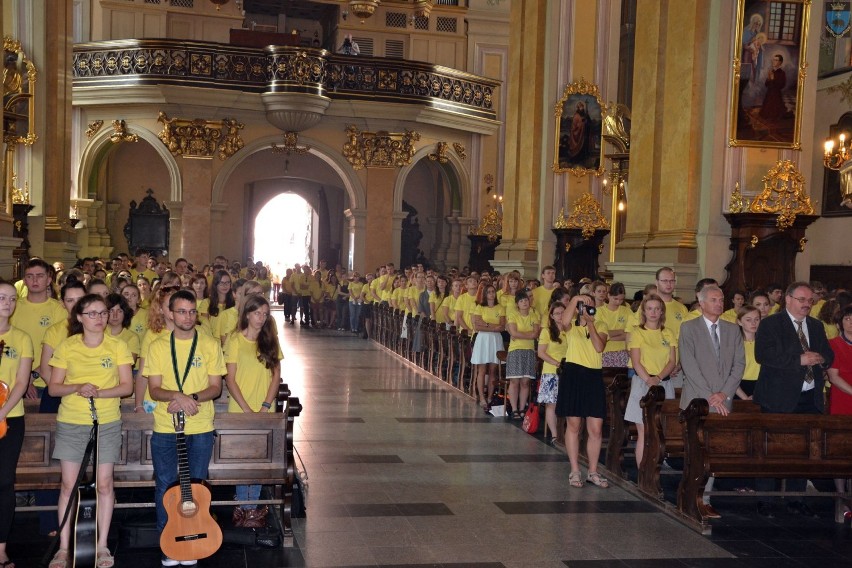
[(311, 77)]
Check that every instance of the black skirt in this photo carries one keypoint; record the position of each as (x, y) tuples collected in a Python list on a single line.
[(581, 392)]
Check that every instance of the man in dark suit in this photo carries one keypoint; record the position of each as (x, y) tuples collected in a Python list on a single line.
[(793, 353)]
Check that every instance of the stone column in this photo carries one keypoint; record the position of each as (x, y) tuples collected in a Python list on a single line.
[(355, 242), (217, 213), (382, 244), (458, 248), (175, 229), (396, 237), (198, 230)]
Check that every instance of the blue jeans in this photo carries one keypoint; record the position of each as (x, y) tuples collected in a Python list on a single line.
[(199, 449), (248, 493), (354, 316)]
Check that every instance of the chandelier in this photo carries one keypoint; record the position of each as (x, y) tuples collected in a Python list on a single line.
[(834, 158), (363, 8)]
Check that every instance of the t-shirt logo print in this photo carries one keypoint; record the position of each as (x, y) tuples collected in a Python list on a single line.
[(10, 352), (44, 321), (196, 361), (106, 362), (678, 317)]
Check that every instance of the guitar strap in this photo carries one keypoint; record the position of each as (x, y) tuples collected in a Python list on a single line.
[(180, 381)]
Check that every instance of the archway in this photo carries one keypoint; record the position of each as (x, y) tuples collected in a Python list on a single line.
[(284, 232)]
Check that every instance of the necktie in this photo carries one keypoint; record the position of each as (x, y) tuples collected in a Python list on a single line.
[(716, 345), (809, 373)]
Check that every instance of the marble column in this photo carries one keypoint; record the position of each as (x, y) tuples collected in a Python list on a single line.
[(356, 240), (175, 229), (199, 231), (382, 242), (217, 214)]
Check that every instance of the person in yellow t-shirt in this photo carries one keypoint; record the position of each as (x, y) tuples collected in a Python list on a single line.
[(448, 308), (436, 299), (139, 322), (552, 346), (738, 300), (541, 294), (523, 324), (748, 318), (118, 324), (489, 320), (317, 299), (89, 365), (653, 352), (227, 321), (581, 389), (615, 315), (56, 334), (465, 305), (158, 325), (200, 366), (221, 297), (253, 360), (356, 302), (15, 368)]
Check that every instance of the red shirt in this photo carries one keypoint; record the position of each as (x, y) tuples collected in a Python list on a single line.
[(841, 403)]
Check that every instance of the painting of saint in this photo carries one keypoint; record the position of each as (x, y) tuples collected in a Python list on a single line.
[(580, 133)]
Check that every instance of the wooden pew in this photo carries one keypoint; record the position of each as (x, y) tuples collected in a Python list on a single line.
[(758, 445), (664, 435), (249, 449), (617, 393)]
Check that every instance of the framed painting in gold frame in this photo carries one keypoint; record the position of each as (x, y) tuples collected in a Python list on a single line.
[(769, 73), (578, 144)]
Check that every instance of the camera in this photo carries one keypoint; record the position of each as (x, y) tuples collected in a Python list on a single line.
[(581, 308)]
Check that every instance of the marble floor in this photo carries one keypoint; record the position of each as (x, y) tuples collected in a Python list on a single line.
[(404, 470)]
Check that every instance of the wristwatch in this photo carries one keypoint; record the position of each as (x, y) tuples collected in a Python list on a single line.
[(194, 396)]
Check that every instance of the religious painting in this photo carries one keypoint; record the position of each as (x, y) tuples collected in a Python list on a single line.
[(769, 73), (579, 136)]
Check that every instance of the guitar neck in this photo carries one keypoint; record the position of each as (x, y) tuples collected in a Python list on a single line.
[(183, 467)]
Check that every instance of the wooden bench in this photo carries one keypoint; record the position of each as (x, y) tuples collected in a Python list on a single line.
[(758, 445), (664, 435), (249, 449), (617, 392)]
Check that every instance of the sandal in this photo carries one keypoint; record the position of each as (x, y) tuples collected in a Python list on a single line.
[(516, 415), (7, 564), (574, 480), (104, 558), (60, 559), (596, 479)]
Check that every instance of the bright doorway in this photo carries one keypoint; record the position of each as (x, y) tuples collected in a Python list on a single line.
[(283, 232)]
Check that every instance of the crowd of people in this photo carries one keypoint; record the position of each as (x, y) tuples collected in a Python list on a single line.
[(164, 336)]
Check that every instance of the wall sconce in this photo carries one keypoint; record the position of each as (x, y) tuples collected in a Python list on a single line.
[(836, 159)]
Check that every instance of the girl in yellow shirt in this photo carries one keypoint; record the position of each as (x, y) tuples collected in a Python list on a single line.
[(139, 323), (56, 334), (748, 319), (253, 359), (489, 320), (616, 315), (552, 346), (15, 369), (523, 325), (118, 324), (89, 365)]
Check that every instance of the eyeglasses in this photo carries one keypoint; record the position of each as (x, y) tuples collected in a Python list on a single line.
[(224, 283), (96, 315), (808, 301), (182, 313)]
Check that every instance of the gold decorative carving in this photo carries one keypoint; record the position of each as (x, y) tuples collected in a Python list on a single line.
[(120, 134), (19, 78), (783, 194), (600, 248), (291, 145), (20, 196), (380, 149), (491, 225), (615, 126), (200, 138), (363, 9), (753, 242), (567, 246), (93, 128), (586, 214), (440, 154), (802, 242), (460, 150), (738, 204)]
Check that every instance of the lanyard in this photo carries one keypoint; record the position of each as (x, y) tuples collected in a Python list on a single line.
[(180, 382)]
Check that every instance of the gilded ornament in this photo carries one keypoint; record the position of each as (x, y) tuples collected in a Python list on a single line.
[(380, 149), (120, 134), (491, 225), (93, 128), (291, 145), (200, 138), (19, 78), (738, 204), (460, 150), (615, 126), (19, 195), (753, 242), (440, 154), (783, 194), (802, 242), (585, 214)]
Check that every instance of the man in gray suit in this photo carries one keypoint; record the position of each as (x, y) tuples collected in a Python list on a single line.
[(713, 360)]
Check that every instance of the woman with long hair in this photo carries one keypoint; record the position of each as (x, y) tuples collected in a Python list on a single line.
[(89, 368), (139, 322), (229, 319), (489, 320), (221, 296), (118, 324), (253, 359), (512, 284), (552, 345), (448, 309), (158, 325), (748, 318), (615, 315), (330, 299), (436, 299), (523, 324), (144, 286), (70, 294), (760, 300), (15, 368), (581, 390), (653, 352)]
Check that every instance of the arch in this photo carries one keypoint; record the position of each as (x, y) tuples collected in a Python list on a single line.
[(101, 142), (351, 183), (455, 167)]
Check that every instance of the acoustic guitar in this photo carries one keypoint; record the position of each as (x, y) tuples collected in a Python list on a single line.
[(84, 525), (190, 533)]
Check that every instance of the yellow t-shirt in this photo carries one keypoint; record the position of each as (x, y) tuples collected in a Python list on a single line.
[(95, 365), (55, 334), (774, 309), (208, 360), (225, 323), (139, 323), (252, 377), (18, 346), (315, 290), (580, 348), (435, 307), (729, 315), (302, 284), (355, 289), (541, 299), (465, 304), (449, 303), (555, 350), (694, 314), (523, 323), (831, 330), (614, 320), (414, 296), (330, 291), (490, 314), (676, 314), (129, 337), (149, 338), (35, 320), (752, 367), (654, 347)]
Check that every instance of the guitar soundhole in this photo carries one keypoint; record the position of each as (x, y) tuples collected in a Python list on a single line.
[(188, 508)]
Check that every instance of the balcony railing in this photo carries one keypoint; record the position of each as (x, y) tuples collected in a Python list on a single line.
[(282, 69)]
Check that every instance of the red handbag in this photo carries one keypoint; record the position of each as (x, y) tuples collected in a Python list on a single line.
[(531, 419)]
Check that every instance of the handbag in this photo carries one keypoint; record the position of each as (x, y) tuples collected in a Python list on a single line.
[(531, 419)]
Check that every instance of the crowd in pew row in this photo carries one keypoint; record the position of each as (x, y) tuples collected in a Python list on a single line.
[(763, 346), (165, 339)]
